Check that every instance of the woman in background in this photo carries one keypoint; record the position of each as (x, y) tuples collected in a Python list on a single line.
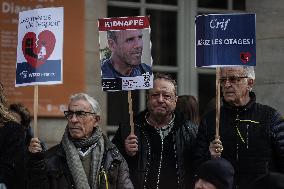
[(12, 146), (23, 116), (189, 107)]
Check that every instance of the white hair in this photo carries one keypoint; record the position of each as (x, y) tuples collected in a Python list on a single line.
[(249, 70), (82, 96)]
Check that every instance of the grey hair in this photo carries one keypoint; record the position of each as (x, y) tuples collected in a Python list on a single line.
[(167, 77), (249, 70), (83, 96)]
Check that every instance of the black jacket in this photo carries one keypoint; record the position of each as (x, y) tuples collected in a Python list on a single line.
[(252, 137), (12, 148), (49, 170), (183, 137)]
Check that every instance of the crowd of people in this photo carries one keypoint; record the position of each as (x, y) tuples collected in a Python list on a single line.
[(171, 147)]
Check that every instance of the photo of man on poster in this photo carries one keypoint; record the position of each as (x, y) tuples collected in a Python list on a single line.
[(125, 59)]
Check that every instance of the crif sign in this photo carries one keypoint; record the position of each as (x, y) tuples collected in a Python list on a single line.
[(225, 40)]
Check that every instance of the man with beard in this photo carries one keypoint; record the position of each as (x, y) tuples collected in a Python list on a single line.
[(159, 153), (84, 159), (251, 134), (126, 50)]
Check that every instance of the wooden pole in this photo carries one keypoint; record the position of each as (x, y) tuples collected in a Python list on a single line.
[(218, 71), (130, 113), (35, 109)]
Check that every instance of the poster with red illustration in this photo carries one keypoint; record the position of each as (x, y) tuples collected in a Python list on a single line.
[(40, 47)]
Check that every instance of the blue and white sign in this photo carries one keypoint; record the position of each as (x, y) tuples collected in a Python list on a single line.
[(40, 47), (225, 40)]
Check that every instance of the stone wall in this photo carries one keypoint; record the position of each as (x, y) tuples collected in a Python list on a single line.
[(270, 51)]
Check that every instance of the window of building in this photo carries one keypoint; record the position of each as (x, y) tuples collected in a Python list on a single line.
[(172, 36), (164, 49), (206, 77), (121, 11), (163, 37), (206, 93), (163, 2), (239, 5), (221, 4)]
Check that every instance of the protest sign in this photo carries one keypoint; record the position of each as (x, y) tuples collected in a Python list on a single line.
[(125, 53), (225, 40), (39, 50), (51, 104), (40, 47)]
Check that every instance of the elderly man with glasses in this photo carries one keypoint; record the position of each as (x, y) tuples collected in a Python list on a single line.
[(159, 152), (251, 134), (85, 158)]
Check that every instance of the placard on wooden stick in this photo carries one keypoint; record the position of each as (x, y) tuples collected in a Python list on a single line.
[(224, 40), (39, 50), (125, 55)]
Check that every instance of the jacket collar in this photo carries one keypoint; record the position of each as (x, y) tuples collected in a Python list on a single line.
[(108, 146), (179, 120), (240, 108)]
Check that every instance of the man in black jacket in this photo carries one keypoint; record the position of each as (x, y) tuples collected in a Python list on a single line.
[(251, 134), (159, 153), (84, 159)]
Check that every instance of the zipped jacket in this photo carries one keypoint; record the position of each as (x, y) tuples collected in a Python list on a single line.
[(252, 137), (12, 148), (183, 137), (49, 170)]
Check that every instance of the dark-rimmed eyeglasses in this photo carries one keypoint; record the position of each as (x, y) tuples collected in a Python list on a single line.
[(79, 114), (231, 79)]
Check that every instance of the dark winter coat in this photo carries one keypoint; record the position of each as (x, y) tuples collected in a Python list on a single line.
[(252, 137), (49, 170), (12, 148), (183, 138)]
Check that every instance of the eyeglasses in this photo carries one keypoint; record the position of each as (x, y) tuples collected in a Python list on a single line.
[(79, 114), (164, 95), (231, 79)]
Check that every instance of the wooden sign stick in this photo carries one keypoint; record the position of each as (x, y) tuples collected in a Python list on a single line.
[(35, 109), (130, 113), (218, 71)]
